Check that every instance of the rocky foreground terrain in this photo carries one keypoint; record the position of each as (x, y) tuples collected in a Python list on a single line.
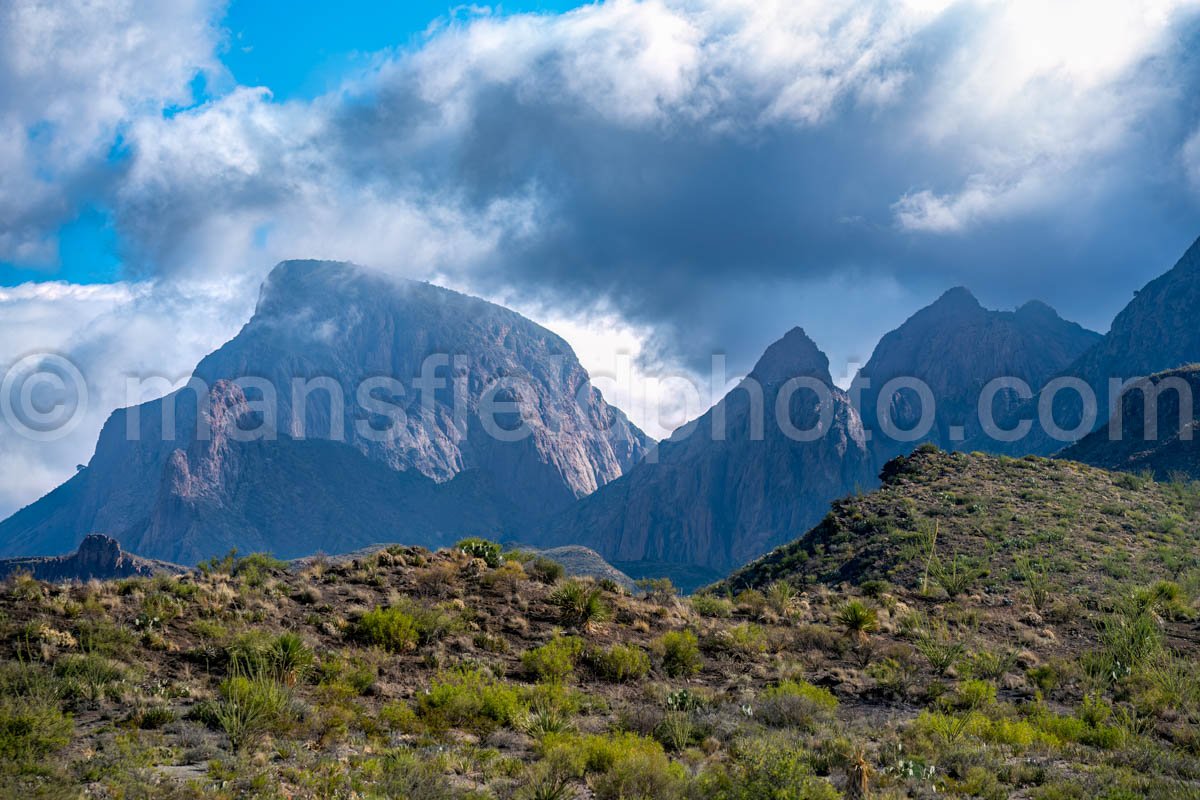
[(978, 627)]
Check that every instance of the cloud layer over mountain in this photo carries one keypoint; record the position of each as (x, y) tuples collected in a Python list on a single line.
[(713, 172)]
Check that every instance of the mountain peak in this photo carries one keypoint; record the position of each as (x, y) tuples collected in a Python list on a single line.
[(793, 355), (1036, 309), (307, 283), (958, 298)]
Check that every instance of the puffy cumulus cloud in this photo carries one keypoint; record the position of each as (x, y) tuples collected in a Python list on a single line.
[(1033, 98), (652, 154), (153, 334), (71, 75)]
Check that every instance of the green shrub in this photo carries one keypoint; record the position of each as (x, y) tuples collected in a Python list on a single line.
[(620, 663), (91, 675), (390, 628), (410, 775), (658, 590), (252, 568), (475, 547), (31, 729), (990, 665), (893, 676), (796, 704), (941, 651), (955, 579), (711, 605), (680, 653), (744, 639), (470, 699), (580, 606), (544, 570), (760, 767), (975, 694), (1037, 581), (1130, 637), (249, 706), (1044, 676), (290, 658), (1164, 598), (676, 730), (782, 598), (584, 755), (153, 717), (751, 601), (641, 776), (554, 661)]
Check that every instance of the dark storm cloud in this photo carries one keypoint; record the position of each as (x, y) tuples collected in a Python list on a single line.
[(659, 158)]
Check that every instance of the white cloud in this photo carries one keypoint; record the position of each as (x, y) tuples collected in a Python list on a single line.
[(111, 333), (1033, 93), (71, 74)]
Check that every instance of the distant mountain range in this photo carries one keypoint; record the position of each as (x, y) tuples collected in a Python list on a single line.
[(1169, 404), (1155, 332), (731, 485), (956, 346), (424, 415)]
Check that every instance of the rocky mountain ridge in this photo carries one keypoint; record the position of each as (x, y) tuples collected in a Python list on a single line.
[(233, 459), (956, 347), (733, 483)]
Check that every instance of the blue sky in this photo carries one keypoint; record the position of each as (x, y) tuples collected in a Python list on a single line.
[(298, 49)]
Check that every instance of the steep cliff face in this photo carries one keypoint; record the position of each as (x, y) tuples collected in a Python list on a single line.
[(735, 482), (472, 418), (1156, 332), (956, 347), (454, 355), (1153, 429)]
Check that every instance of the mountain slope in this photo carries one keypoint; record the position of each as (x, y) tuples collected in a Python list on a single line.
[(1155, 332), (985, 514), (191, 474), (1162, 442), (1065, 667), (956, 346), (715, 501)]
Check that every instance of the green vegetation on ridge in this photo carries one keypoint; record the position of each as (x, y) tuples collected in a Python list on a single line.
[(978, 627)]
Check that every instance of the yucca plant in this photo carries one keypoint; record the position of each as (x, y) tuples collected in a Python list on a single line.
[(858, 620), (955, 579), (940, 650), (291, 658), (249, 706), (782, 598), (581, 606)]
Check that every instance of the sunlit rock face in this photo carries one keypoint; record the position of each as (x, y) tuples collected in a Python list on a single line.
[(492, 425)]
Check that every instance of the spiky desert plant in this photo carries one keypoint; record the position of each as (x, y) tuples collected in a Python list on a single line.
[(858, 620), (782, 598), (580, 606), (291, 658)]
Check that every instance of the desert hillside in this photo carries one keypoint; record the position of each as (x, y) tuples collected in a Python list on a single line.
[(978, 627)]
